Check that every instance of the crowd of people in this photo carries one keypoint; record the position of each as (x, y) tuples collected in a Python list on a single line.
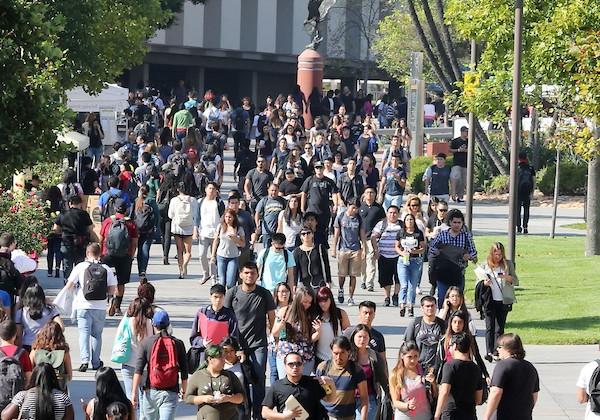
[(305, 199)]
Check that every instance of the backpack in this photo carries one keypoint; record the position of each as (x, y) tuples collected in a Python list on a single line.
[(95, 282), (525, 185), (69, 192), (184, 216), (144, 218), (56, 358), (264, 259), (8, 280), (179, 163), (594, 389), (12, 379), (373, 146), (108, 210), (163, 366), (117, 240), (483, 296)]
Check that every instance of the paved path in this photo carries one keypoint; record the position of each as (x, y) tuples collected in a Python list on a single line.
[(558, 365)]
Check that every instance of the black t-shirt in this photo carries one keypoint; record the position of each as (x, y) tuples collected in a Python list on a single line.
[(377, 341), (417, 234), (319, 192), (427, 336), (434, 222), (308, 392), (88, 178), (363, 145), (459, 158), (464, 378), (371, 215), (519, 380), (289, 187), (260, 182), (74, 222)]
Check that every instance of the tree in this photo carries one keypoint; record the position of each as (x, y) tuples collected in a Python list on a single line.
[(561, 41), (47, 48)]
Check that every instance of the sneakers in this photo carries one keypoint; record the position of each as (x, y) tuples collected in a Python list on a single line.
[(402, 311), (363, 285), (386, 302), (411, 312), (395, 300), (166, 261), (83, 367), (97, 367), (525, 231), (112, 309), (350, 302), (341, 296), (519, 230), (370, 289), (50, 273)]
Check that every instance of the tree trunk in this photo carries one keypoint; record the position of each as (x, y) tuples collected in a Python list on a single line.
[(506, 137), (448, 41), (592, 238), (366, 70), (448, 87), (438, 42), (534, 136)]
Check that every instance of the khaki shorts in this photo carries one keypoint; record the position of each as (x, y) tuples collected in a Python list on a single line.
[(458, 173), (349, 264)]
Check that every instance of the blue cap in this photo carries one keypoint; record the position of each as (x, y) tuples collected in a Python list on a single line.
[(161, 319)]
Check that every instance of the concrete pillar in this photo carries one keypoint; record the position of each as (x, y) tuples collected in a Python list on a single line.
[(310, 75), (200, 81), (145, 72), (254, 94)]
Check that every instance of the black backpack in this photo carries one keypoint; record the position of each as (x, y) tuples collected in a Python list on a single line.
[(144, 218), (95, 282), (109, 207), (238, 121), (594, 389), (8, 279), (117, 240), (525, 180), (12, 379), (483, 296)]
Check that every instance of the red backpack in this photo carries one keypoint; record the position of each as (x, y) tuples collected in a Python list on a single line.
[(163, 367)]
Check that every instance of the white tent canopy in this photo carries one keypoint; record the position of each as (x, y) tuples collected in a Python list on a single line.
[(113, 97), (80, 141)]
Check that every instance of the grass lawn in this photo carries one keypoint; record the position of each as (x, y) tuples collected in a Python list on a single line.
[(558, 300), (580, 226)]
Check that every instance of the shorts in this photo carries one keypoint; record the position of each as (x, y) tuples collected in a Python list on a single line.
[(458, 173), (177, 235), (122, 266), (388, 271), (349, 264)]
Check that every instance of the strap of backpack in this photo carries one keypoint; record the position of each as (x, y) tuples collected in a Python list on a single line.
[(264, 260)]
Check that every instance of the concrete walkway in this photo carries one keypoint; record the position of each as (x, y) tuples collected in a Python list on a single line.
[(558, 366)]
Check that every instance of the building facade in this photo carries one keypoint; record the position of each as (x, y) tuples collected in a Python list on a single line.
[(250, 47)]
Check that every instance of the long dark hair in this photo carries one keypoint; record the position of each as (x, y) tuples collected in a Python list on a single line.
[(138, 310), (35, 301), (44, 379), (324, 293), (108, 390), (287, 213)]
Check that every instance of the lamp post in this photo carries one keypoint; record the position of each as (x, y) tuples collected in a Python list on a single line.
[(516, 132), (471, 150)]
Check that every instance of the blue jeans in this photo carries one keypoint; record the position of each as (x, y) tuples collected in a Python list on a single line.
[(273, 374), (409, 276), (227, 271), (90, 323), (95, 153), (159, 404), (258, 359), (143, 252), (127, 375), (54, 254), (389, 200), (372, 412)]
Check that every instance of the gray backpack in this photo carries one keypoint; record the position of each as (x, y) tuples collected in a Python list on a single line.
[(117, 240), (12, 379)]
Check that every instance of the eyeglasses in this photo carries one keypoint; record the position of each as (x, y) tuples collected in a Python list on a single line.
[(294, 364)]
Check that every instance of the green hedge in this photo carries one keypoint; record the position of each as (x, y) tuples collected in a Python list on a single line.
[(418, 166), (497, 185), (572, 179)]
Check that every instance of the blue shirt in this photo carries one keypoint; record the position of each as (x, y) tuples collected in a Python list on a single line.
[(5, 299), (275, 270), (113, 191)]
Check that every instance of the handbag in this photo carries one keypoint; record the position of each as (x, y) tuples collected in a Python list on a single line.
[(121, 351), (385, 411)]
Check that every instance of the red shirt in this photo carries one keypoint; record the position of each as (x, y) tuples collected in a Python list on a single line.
[(131, 227), (24, 359)]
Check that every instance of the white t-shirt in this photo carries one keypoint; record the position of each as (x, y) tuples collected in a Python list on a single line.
[(496, 282), (209, 218), (429, 111), (76, 277), (584, 382)]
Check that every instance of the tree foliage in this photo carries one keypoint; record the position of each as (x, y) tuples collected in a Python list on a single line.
[(47, 48)]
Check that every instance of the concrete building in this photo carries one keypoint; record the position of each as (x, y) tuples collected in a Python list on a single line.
[(249, 47)]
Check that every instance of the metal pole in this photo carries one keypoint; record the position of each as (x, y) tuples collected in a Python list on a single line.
[(471, 149), (516, 132), (556, 186)]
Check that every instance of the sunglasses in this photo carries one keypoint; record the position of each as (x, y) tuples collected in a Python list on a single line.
[(294, 364), (305, 233), (413, 205), (443, 210), (277, 248)]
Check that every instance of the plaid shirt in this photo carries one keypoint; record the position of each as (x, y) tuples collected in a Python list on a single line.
[(464, 239)]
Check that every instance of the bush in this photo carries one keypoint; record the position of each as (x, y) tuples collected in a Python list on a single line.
[(572, 179), (418, 166), (497, 185)]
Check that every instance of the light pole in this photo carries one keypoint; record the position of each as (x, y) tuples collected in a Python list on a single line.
[(516, 132), (471, 149)]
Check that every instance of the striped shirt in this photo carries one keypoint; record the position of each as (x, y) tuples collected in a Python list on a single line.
[(27, 400), (464, 239), (346, 381), (387, 233)]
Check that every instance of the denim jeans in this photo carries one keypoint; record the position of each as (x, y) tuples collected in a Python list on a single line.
[(227, 271), (95, 153), (258, 359), (409, 276), (71, 257), (273, 374), (389, 200), (159, 405), (127, 375), (54, 254), (165, 230), (90, 323), (143, 252), (372, 412)]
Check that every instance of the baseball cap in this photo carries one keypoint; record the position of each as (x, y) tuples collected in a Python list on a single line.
[(161, 319), (318, 164), (289, 171), (120, 206)]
